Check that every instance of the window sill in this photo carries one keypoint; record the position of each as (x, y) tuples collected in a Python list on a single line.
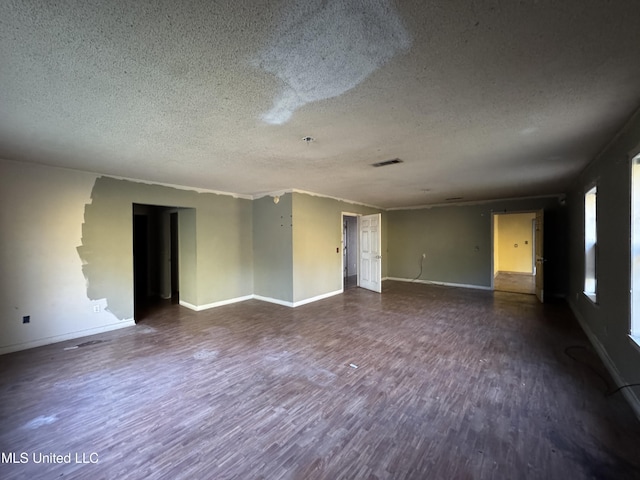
[(635, 341), (592, 297)]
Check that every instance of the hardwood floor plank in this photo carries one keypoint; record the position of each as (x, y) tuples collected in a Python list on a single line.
[(515, 282), (449, 383)]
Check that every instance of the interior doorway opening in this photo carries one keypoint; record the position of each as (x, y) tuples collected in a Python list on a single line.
[(156, 262), (362, 251), (349, 251), (514, 252)]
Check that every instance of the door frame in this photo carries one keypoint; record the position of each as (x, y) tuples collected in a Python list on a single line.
[(342, 246), (539, 254), (163, 228), (174, 255), (493, 240)]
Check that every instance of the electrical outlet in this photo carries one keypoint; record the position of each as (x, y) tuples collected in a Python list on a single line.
[(96, 309), (424, 255), (26, 319)]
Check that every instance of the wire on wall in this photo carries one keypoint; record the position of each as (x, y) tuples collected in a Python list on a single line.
[(421, 265)]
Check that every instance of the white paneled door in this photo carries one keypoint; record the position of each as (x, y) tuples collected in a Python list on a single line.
[(370, 252)]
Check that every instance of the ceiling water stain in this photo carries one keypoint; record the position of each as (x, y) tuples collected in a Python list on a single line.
[(324, 49)]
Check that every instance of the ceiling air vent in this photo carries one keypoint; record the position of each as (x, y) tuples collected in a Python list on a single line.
[(386, 162)]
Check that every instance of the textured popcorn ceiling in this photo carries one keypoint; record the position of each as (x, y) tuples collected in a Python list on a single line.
[(481, 99)]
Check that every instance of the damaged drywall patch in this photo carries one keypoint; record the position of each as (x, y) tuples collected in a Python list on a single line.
[(327, 47)]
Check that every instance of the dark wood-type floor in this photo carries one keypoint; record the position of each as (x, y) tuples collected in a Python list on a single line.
[(515, 282), (449, 384), (350, 281)]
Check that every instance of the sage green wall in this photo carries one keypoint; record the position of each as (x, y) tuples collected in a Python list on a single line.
[(272, 248), (608, 322), (294, 247), (225, 247), (220, 255), (317, 232), (188, 256), (457, 242)]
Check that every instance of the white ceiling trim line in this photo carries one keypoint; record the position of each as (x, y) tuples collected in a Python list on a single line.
[(275, 193), (313, 194), (279, 193), (479, 202), (135, 180), (178, 187)]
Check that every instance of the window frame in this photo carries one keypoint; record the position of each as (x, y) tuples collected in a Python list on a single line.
[(590, 284), (634, 247)]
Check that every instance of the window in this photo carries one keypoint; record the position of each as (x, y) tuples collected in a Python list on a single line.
[(635, 248), (590, 244)]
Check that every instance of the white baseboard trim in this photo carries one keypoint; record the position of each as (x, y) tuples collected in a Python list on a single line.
[(277, 301), (299, 303), (628, 393), (444, 284), (188, 305), (67, 336), (207, 306), (317, 297)]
